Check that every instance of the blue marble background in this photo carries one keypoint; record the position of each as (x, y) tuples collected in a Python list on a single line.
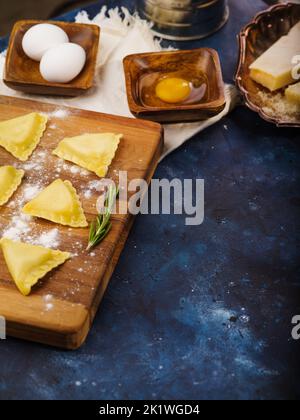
[(202, 312)]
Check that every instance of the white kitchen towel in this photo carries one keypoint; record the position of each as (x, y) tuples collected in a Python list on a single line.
[(122, 34)]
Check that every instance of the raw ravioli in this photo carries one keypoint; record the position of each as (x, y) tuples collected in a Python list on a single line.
[(21, 135), (10, 180), (94, 152), (58, 203), (28, 264)]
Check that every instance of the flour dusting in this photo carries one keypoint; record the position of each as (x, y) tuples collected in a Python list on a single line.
[(48, 239), (59, 113), (17, 228), (30, 192)]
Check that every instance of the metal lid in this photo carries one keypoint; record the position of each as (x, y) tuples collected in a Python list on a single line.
[(182, 4), (184, 19)]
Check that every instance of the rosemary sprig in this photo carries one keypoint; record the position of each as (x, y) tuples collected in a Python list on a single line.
[(102, 225)]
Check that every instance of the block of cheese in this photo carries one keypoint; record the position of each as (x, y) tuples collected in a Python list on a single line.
[(273, 69), (292, 94)]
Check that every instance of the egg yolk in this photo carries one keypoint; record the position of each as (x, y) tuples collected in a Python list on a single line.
[(173, 90)]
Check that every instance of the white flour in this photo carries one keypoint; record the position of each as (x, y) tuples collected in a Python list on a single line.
[(18, 227), (30, 192), (59, 113), (48, 239)]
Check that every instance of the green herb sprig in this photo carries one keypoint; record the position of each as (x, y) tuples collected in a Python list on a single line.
[(102, 225)]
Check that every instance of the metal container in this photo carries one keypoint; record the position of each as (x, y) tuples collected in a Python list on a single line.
[(259, 35), (183, 20)]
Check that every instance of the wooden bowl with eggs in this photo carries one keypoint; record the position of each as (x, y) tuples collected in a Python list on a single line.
[(175, 86), (22, 73)]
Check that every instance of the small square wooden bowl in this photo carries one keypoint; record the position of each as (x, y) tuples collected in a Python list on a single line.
[(204, 61), (23, 74)]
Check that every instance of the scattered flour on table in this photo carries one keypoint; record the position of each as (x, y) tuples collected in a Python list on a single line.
[(61, 165), (32, 166), (77, 170), (88, 194), (20, 229), (59, 113), (30, 192), (17, 228), (36, 162), (96, 185), (41, 154), (48, 302), (48, 239), (92, 186)]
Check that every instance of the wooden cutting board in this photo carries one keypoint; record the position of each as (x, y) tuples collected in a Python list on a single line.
[(61, 309)]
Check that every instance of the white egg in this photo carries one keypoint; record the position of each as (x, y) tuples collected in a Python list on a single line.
[(38, 39), (63, 63)]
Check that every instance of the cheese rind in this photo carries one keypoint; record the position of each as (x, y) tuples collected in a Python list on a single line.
[(273, 69), (292, 94)]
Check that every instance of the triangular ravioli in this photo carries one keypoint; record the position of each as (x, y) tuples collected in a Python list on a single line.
[(10, 179), (94, 152), (21, 135), (27, 263), (58, 203)]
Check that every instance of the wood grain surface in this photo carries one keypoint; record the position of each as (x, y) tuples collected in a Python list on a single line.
[(77, 287)]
